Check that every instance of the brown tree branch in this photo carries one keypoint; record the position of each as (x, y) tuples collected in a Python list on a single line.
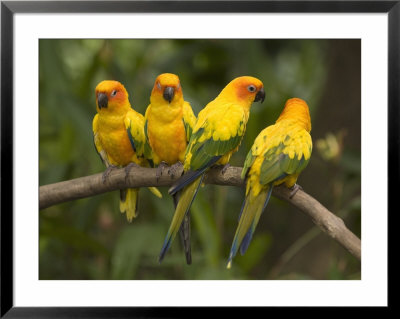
[(144, 177)]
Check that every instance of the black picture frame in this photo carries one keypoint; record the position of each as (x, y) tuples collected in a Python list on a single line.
[(9, 8)]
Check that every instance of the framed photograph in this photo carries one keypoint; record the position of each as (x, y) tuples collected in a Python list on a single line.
[(124, 123)]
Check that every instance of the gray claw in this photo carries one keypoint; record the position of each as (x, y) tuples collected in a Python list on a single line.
[(128, 169), (224, 169), (160, 169), (174, 169), (107, 173), (294, 190)]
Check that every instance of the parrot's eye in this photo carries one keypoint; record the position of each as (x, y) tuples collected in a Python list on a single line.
[(114, 93), (159, 85), (251, 88)]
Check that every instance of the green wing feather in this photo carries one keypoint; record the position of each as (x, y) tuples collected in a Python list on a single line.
[(189, 120), (247, 163), (134, 123), (205, 151), (256, 150), (136, 135), (278, 163), (147, 151), (283, 155)]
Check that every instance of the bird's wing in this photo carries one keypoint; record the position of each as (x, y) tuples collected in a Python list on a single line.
[(148, 153), (97, 143), (134, 124), (290, 155), (189, 120), (206, 146), (218, 135), (256, 150)]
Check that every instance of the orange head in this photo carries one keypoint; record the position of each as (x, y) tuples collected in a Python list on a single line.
[(167, 89), (111, 96), (244, 89), (296, 109)]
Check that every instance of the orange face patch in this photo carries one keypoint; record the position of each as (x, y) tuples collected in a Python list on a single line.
[(114, 90), (246, 87)]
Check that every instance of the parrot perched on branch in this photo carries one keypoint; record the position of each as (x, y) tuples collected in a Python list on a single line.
[(217, 134), (169, 122), (279, 154), (119, 138)]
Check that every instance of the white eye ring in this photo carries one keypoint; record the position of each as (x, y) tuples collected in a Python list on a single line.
[(159, 85), (114, 93), (251, 88)]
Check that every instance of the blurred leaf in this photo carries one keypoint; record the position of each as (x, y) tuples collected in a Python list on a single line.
[(354, 205), (71, 236), (134, 242), (203, 218), (351, 162)]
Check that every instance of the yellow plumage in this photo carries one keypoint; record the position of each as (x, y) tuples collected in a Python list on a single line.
[(119, 138), (216, 136), (169, 123), (279, 154)]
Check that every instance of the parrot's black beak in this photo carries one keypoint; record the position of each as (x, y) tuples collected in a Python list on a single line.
[(102, 100), (168, 94), (260, 96)]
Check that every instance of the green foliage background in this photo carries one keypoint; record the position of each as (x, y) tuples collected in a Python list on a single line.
[(90, 239)]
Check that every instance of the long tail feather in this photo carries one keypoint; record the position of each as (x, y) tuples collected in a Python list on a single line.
[(190, 176), (249, 217), (155, 191), (247, 238), (128, 203), (185, 201), (184, 232)]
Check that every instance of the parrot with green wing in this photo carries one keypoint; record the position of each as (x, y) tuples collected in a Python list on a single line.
[(168, 127), (279, 154), (216, 135), (118, 132)]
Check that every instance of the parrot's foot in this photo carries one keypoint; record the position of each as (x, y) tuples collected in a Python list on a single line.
[(160, 169), (294, 190), (107, 173), (175, 169), (225, 167), (128, 169)]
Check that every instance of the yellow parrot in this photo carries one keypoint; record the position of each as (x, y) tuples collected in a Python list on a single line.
[(279, 154), (216, 136), (118, 132), (169, 122)]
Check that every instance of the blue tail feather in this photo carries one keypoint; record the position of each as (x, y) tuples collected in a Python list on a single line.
[(164, 249), (241, 209), (190, 176), (268, 196), (233, 251), (249, 235), (246, 241), (168, 239)]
